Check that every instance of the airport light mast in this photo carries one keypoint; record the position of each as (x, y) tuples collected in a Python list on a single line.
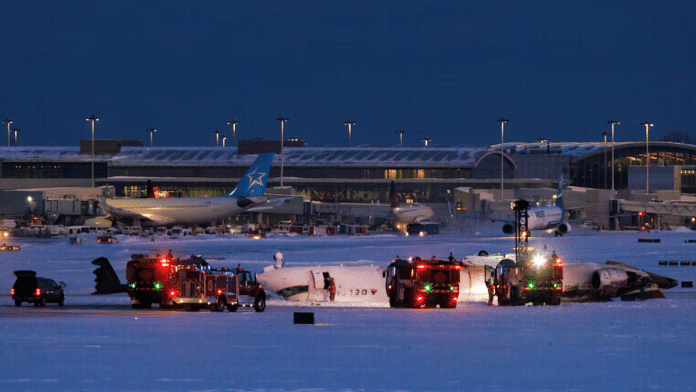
[(425, 141), (612, 122), (92, 119), (282, 120), (401, 136), (502, 122), (15, 130), (151, 130), (224, 138), (8, 121), (233, 123), (349, 124), (605, 158), (647, 125), (217, 137)]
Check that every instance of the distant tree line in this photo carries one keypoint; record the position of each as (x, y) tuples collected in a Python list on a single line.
[(680, 137)]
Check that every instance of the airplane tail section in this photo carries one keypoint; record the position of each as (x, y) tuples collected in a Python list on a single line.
[(107, 280), (392, 196), (559, 196), (253, 183)]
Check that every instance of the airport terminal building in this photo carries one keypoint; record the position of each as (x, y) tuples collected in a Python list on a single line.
[(428, 174)]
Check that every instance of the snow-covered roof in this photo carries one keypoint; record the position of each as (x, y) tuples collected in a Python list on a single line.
[(292, 156)]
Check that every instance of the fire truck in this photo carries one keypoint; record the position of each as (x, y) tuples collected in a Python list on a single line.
[(421, 283), (197, 286), (149, 280), (533, 277)]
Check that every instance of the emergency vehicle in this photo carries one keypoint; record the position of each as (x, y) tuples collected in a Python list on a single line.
[(421, 283), (198, 286), (533, 277), (536, 278), (149, 280)]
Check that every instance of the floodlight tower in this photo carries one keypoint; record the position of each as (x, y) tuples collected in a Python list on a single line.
[(401, 136), (502, 122), (8, 121), (217, 137), (151, 130), (15, 130), (282, 120), (350, 125), (92, 119), (612, 122), (647, 126), (425, 141), (233, 123)]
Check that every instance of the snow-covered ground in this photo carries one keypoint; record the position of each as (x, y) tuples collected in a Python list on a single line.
[(99, 343)]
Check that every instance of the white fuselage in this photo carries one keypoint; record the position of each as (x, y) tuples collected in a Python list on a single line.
[(411, 214), (185, 211), (355, 284), (542, 218)]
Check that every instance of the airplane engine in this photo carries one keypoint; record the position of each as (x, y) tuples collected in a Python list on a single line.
[(508, 228), (564, 228), (608, 281)]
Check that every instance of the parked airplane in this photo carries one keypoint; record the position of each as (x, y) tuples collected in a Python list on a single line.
[(247, 195), (413, 213), (399, 215), (545, 218), (582, 282)]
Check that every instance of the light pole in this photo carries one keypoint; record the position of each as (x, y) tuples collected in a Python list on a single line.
[(282, 120), (15, 130), (224, 138), (151, 130), (647, 125), (605, 158), (425, 141), (401, 136), (612, 122), (350, 125), (502, 122), (217, 137), (233, 123), (8, 121), (92, 119)]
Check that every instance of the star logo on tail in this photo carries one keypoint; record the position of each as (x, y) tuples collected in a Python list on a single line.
[(256, 177)]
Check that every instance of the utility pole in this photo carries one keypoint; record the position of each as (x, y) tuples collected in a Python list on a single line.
[(647, 125)]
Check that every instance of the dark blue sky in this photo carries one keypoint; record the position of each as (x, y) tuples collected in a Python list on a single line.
[(447, 70)]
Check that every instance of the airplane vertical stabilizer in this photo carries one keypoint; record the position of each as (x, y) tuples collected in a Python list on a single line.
[(253, 183), (392, 196), (559, 196)]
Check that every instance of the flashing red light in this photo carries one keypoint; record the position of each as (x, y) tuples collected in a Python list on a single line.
[(12, 291), (526, 288), (640, 213), (559, 288), (389, 288), (457, 266), (202, 295), (173, 293), (219, 291), (419, 299), (559, 263), (420, 266), (38, 291), (454, 298), (643, 228)]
